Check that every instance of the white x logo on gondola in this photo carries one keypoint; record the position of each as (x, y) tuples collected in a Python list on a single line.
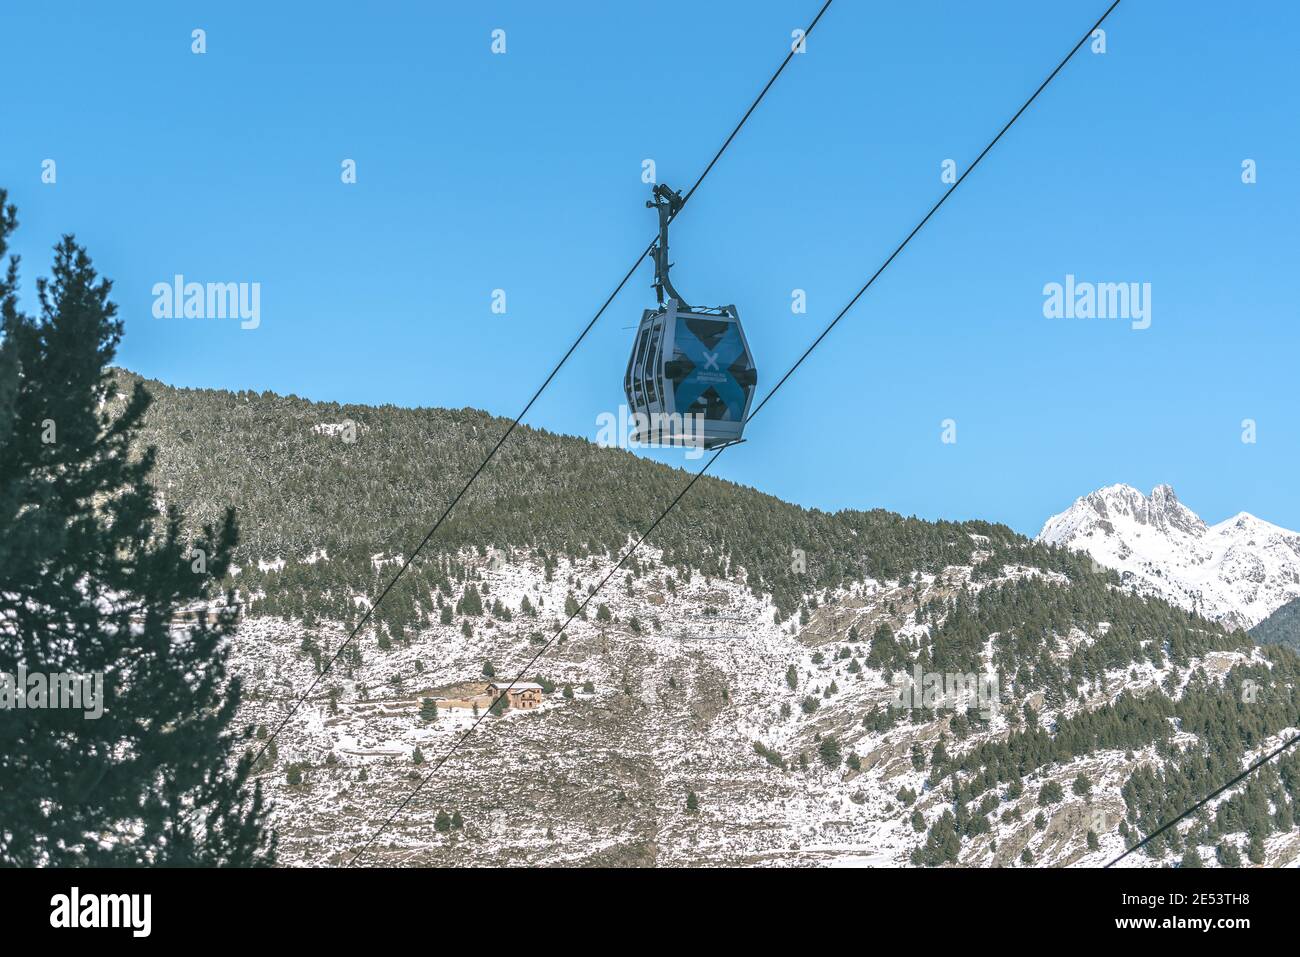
[(710, 360)]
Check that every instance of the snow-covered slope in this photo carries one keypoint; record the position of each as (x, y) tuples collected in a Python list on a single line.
[(708, 695), (1237, 572)]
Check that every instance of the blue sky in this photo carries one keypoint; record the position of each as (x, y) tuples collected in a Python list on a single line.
[(522, 172)]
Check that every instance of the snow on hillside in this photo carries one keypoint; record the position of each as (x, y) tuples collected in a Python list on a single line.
[(669, 697), (1237, 572)]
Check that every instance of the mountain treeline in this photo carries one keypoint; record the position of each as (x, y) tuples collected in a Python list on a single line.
[(301, 486)]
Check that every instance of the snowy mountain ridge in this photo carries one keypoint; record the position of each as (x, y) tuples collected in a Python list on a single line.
[(1237, 572)]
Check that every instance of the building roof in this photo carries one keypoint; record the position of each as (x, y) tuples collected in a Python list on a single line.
[(517, 686)]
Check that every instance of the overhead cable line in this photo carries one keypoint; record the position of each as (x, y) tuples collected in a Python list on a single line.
[(1206, 800), (406, 564), (713, 458), (460, 739)]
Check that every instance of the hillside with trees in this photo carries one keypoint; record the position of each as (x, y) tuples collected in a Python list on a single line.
[(1280, 628), (330, 495), (357, 482)]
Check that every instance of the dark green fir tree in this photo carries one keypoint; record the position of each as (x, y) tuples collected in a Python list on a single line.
[(92, 575)]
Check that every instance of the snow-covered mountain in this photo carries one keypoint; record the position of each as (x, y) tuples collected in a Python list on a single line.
[(1237, 572), (714, 706)]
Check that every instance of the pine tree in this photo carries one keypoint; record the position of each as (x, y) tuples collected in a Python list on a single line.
[(428, 710), (829, 750), (1255, 850), (92, 575), (1228, 855), (470, 602), (692, 802), (940, 756)]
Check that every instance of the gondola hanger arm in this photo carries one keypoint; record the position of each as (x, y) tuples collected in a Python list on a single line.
[(667, 202)]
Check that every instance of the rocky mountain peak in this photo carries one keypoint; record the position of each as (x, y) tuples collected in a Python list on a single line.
[(1237, 572)]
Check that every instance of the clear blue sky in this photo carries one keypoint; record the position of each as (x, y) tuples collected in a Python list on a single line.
[(522, 172)]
